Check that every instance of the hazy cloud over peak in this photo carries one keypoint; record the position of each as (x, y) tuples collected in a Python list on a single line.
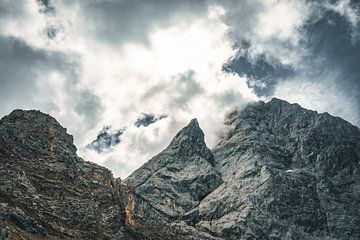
[(102, 63)]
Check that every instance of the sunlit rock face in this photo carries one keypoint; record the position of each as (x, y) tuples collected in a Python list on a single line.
[(279, 172), (286, 173)]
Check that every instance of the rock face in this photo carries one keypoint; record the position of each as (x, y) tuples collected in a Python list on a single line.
[(47, 191), (176, 180), (286, 173), (279, 172)]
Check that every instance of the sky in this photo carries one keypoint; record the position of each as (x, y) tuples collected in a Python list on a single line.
[(123, 76)]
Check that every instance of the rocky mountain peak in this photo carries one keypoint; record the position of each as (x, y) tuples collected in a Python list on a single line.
[(289, 120), (190, 140), (176, 179), (27, 132), (34, 119)]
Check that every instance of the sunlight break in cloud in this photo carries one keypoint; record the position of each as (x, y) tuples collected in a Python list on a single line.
[(99, 63), (176, 70), (178, 73)]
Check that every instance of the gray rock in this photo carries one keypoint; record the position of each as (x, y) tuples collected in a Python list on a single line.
[(286, 173), (176, 180), (279, 172), (47, 191)]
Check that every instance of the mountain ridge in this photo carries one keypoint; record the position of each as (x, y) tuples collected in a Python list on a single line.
[(276, 145), (279, 172)]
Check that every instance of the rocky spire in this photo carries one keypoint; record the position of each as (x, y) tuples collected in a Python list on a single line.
[(189, 141), (176, 180)]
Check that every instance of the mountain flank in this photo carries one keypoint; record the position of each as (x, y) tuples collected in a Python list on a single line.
[(279, 172)]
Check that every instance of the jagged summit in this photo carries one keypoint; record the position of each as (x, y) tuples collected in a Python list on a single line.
[(193, 124), (174, 181), (192, 132), (281, 117), (190, 140)]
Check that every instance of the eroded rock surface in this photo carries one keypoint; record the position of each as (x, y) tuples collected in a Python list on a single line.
[(279, 172), (48, 192), (286, 173), (176, 180)]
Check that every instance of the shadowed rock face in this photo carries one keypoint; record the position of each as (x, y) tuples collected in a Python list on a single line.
[(47, 191), (286, 173), (279, 172)]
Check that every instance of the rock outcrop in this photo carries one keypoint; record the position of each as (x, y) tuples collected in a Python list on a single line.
[(286, 173), (48, 192)]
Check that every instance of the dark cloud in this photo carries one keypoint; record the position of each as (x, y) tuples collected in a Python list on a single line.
[(46, 7), (52, 31), (106, 139), (22, 68), (89, 107), (10, 10), (185, 89), (116, 22), (330, 41), (25, 74), (334, 47), (261, 73), (147, 119)]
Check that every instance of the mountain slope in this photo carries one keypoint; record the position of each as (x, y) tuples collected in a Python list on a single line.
[(286, 173), (47, 191), (279, 172)]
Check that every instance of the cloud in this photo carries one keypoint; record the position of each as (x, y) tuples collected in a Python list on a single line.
[(348, 9), (102, 63), (262, 72), (23, 69), (147, 119), (116, 22), (178, 72), (106, 140), (314, 46)]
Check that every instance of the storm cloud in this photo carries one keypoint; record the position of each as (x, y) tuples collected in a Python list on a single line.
[(325, 46), (103, 63)]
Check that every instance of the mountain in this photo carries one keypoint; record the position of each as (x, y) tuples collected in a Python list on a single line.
[(48, 192), (285, 173), (278, 172)]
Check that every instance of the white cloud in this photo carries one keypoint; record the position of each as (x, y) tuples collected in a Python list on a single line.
[(132, 78), (272, 27), (111, 70)]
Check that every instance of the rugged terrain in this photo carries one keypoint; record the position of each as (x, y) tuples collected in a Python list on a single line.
[(285, 173), (48, 192), (279, 172)]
